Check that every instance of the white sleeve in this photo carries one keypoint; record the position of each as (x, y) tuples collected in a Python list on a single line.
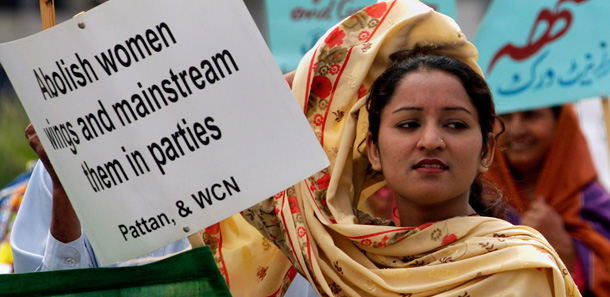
[(31, 241), (71, 255)]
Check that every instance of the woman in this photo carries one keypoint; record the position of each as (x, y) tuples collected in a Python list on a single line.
[(431, 145), (546, 171), (428, 131)]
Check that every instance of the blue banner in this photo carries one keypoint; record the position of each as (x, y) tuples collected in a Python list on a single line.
[(545, 52), (294, 26), (447, 7)]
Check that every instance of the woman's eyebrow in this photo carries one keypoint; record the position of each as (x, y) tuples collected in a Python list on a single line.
[(451, 108), (407, 108)]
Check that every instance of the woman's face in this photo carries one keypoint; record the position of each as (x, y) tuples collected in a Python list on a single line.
[(528, 138), (430, 146)]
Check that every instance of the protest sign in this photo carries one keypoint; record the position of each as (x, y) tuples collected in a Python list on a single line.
[(295, 25), (161, 118), (544, 53)]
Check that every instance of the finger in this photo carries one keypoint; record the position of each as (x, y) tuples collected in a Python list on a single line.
[(529, 222), (34, 140), (530, 219), (539, 204), (29, 131), (535, 206), (534, 215), (534, 220), (540, 200), (528, 216)]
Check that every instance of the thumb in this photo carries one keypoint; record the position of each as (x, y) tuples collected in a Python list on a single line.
[(538, 202), (540, 198)]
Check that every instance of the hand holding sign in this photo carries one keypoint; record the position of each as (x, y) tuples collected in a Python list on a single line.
[(65, 225)]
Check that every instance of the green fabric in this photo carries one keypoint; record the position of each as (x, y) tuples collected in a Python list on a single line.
[(191, 273)]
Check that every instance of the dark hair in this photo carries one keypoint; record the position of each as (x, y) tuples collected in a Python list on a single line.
[(476, 88), (556, 110)]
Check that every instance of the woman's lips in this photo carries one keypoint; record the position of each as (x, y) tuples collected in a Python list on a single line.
[(430, 166), (519, 145)]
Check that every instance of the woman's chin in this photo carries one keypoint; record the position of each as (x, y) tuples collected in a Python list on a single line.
[(521, 162)]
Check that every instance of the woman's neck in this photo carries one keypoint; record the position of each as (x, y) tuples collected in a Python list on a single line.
[(415, 215)]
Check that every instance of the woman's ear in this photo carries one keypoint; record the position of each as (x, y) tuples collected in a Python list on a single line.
[(372, 152), (487, 153)]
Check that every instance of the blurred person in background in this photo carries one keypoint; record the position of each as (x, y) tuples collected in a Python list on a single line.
[(545, 170)]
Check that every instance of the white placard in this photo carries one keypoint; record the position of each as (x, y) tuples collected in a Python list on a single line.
[(158, 115)]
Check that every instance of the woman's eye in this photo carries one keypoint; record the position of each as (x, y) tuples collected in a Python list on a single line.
[(532, 115), (457, 125), (409, 125)]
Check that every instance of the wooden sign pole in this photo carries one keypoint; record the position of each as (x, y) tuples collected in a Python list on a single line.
[(47, 13), (606, 114)]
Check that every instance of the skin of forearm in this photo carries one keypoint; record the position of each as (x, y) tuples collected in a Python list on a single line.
[(65, 226)]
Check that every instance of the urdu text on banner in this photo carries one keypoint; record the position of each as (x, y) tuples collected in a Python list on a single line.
[(545, 52), (157, 119)]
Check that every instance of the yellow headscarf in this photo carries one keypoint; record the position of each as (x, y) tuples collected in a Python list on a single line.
[(344, 252)]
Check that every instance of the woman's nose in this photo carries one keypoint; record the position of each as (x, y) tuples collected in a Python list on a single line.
[(515, 126), (431, 139)]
